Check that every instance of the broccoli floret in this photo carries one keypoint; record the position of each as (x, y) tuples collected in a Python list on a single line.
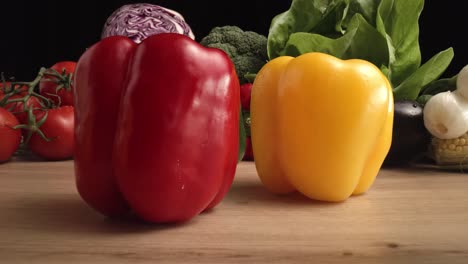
[(247, 49)]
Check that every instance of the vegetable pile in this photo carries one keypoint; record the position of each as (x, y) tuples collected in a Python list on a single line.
[(446, 119), (334, 92), (38, 116), (248, 52), (383, 32)]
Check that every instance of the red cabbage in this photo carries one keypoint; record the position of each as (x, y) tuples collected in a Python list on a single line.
[(139, 21)]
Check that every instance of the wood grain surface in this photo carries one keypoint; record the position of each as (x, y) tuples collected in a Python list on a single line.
[(408, 216)]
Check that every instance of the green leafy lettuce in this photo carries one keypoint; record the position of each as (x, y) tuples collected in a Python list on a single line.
[(383, 32)]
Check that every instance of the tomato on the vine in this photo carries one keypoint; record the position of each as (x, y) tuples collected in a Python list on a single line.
[(57, 83), (10, 138), (7, 86), (2, 88), (58, 129), (17, 108)]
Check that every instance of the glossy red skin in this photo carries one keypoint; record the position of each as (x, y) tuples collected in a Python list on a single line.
[(59, 126), (176, 142), (97, 98), (48, 85), (10, 138)]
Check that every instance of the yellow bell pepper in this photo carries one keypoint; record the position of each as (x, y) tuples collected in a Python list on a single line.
[(320, 125)]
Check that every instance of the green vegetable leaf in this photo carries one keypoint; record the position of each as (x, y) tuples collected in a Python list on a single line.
[(358, 35), (367, 8), (422, 100), (301, 42), (398, 21), (250, 77), (331, 23), (427, 73), (384, 32), (441, 85), (303, 16), (366, 34), (242, 136)]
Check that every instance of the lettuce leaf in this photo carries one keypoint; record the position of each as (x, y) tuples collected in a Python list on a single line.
[(318, 16), (359, 34), (383, 32), (397, 20)]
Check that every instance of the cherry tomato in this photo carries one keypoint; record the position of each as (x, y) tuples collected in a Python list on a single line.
[(10, 138), (59, 128), (48, 85)]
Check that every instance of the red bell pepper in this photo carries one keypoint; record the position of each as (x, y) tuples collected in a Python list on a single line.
[(157, 127)]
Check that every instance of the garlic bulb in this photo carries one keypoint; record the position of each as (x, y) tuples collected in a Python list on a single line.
[(446, 114)]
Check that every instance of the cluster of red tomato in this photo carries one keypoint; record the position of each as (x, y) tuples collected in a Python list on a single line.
[(39, 113)]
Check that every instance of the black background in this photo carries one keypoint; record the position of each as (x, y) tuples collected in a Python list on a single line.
[(40, 33)]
